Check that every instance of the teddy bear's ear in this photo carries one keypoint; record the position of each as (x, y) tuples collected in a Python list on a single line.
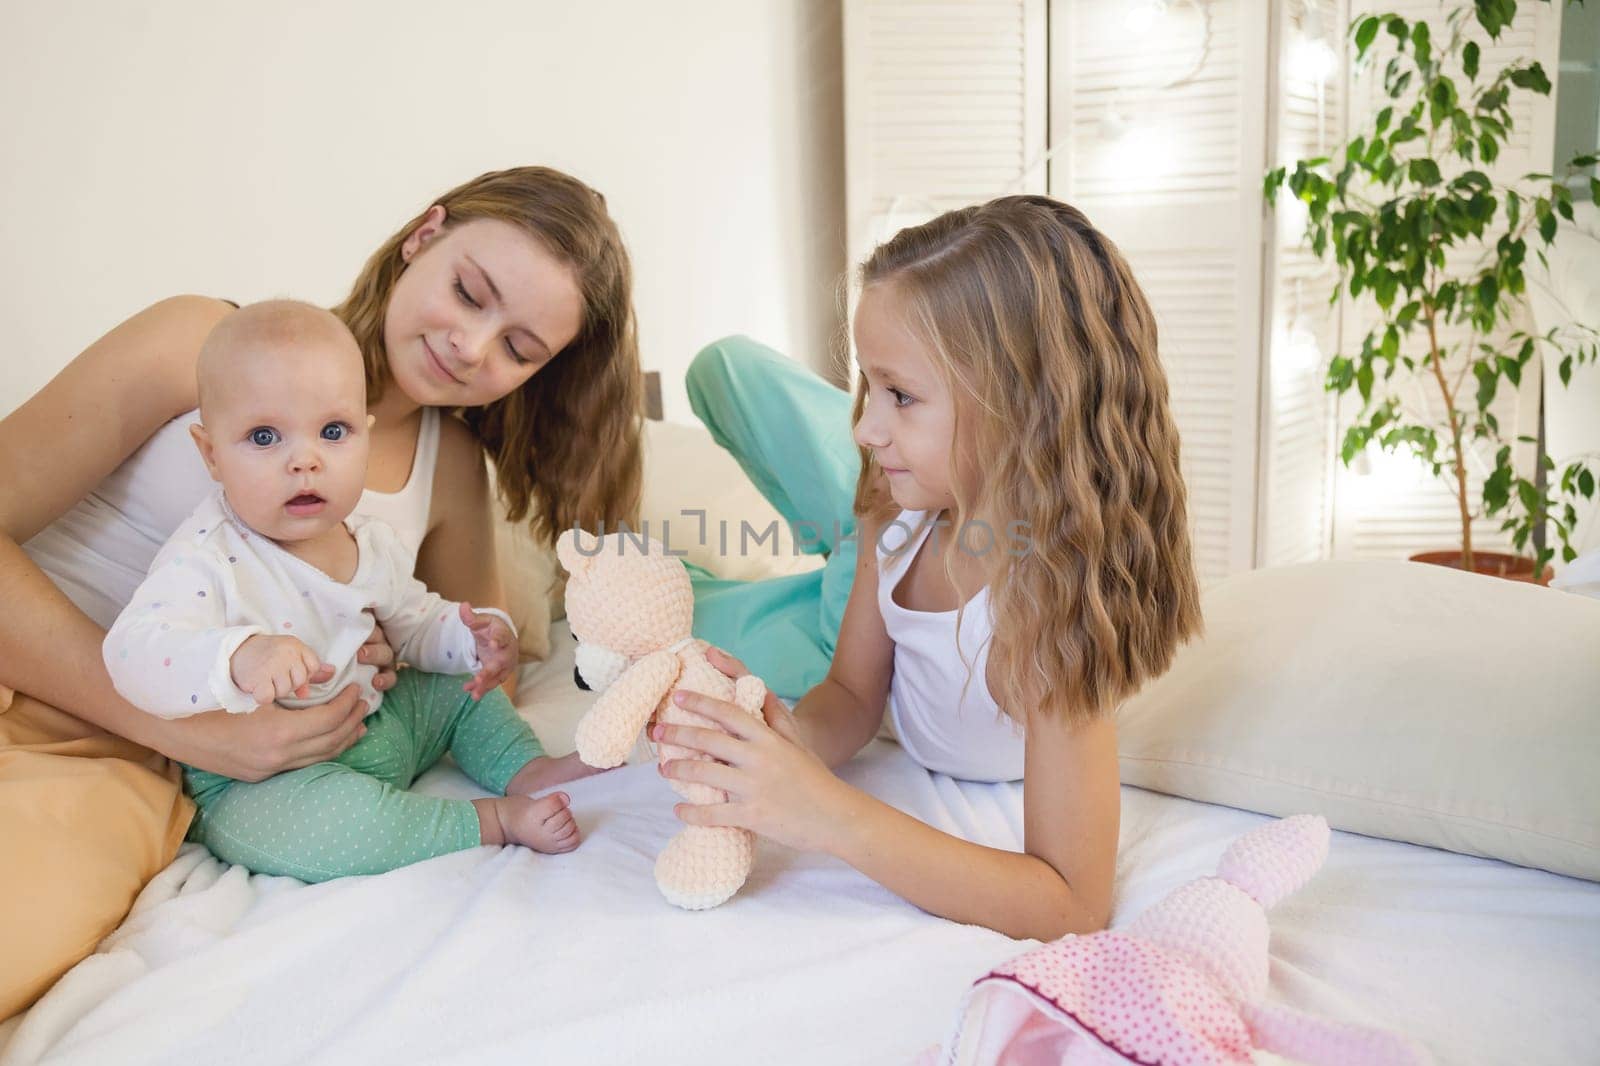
[(576, 550)]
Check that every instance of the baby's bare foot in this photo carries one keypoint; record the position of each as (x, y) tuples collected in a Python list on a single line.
[(545, 824), (547, 772)]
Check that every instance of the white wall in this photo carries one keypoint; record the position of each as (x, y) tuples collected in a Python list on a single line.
[(249, 150)]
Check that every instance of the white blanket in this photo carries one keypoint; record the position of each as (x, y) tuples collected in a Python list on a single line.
[(497, 955)]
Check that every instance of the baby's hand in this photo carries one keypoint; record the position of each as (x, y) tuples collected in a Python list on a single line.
[(270, 668), (497, 651)]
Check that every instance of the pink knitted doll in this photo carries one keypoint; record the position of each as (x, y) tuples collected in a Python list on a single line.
[(631, 607), (1182, 985)]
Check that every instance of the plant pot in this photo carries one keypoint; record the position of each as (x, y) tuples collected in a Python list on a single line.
[(1494, 564)]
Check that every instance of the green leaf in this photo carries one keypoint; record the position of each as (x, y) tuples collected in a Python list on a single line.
[(1469, 59), (1404, 134), (1528, 493), (1364, 381), (1490, 16), (1384, 289), (1547, 224), (1586, 484), (1594, 190), (1355, 442), (1488, 383), (1420, 41), (1424, 172), (1566, 371), (1341, 375), (1531, 77), (1488, 291), (1510, 369), (1366, 33), (1497, 489), (1399, 31), (1443, 97)]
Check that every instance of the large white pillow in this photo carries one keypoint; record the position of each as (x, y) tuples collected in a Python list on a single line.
[(1400, 700)]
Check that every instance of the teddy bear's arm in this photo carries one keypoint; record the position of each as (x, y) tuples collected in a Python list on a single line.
[(749, 693), (607, 732)]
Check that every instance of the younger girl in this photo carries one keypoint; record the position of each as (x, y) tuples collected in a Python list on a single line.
[(1023, 566)]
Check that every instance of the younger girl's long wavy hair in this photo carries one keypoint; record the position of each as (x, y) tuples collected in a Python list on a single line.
[(1049, 348), (566, 444)]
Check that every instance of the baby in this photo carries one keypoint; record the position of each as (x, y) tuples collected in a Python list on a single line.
[(268, 591)]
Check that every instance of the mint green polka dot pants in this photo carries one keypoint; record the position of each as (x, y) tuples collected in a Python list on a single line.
[(354, 815)]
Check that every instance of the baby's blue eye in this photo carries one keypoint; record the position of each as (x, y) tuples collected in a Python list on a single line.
[(900, 398), (335, 431), (263, 436)]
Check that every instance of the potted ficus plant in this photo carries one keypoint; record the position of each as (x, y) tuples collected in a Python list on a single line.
[(1413, 222)]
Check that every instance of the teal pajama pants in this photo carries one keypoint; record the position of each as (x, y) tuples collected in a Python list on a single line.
[(790, 432), (354, 815)]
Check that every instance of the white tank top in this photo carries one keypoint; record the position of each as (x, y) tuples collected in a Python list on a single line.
[(939, 700), (98, 551)]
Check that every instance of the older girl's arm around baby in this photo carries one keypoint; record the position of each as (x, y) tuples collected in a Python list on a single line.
[(54, 449)]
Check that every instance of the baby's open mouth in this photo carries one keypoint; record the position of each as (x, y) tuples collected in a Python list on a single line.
[(305, 503)]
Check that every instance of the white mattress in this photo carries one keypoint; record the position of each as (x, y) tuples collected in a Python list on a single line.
[(510, 956)]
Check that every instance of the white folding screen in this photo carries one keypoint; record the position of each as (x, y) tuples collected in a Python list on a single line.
[(1294, 517), (945, 105), (1160, 117)]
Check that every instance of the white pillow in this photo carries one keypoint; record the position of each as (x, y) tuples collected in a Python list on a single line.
[(1400, 700), (685, 470)]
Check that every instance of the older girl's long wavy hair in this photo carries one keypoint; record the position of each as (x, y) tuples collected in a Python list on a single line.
[(1049, 349), (566, 444)]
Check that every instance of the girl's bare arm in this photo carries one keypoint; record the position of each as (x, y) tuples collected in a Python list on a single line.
[(842, 714), (1060, 883), (457, 559)]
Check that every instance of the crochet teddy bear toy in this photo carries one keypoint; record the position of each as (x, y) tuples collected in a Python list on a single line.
[(630, 606), (1184, 984)]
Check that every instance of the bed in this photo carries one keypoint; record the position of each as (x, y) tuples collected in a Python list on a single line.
[(505, 955)]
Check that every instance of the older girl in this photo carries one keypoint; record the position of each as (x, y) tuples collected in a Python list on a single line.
[(498, 320)]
